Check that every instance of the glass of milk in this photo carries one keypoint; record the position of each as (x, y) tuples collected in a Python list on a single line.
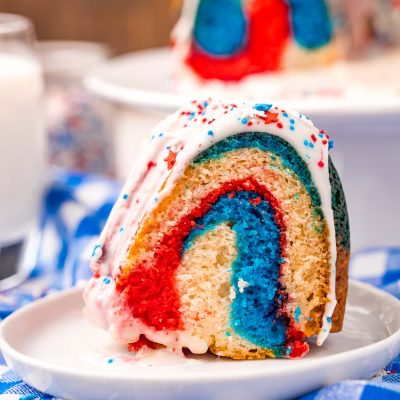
[(22, 141)]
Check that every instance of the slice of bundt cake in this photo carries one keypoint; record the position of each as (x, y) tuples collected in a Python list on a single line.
[(230, 39), (230, 235)]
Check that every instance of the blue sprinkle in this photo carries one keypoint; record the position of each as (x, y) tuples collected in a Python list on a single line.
[(305, 142), (191, 116), (168, 147), (110, 361), (311, 145), (282, 260), (156, 199), (97, 246), (292, 121), (28, 397), (310, 319), (262, 107), (297, 313), (321, 135), (291, 127), (125, 196), (160, 134), (244, 121), (121, 229), (331, 144), (285, 114), (329, 319), (205, 104), (227, 333), (210, 133), (106, 280)]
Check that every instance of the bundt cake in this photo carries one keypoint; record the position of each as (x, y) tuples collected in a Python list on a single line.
[(230, 235), (230, 39)]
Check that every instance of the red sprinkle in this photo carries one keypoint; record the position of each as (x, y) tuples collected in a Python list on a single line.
[(279, 125), (314, 138), (151, 164), (321, 164), (170, 159), (269, 117)]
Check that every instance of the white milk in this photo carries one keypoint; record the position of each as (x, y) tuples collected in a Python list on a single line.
[(21, 145)]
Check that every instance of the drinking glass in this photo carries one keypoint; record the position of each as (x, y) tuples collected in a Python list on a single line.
[(22, 141)]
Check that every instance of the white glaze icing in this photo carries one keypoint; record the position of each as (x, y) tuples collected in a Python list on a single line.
[(188, 133)]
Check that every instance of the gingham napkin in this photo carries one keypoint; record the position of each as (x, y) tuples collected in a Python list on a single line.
[(76, 207)]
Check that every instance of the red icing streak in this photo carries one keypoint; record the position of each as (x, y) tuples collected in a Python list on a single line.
[(267, 38), (170, 159), (149, 289)]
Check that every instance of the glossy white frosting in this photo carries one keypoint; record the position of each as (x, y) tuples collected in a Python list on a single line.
[(187, 133)]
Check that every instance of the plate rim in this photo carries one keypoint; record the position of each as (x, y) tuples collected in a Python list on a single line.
[(33, 363), (98, 84)]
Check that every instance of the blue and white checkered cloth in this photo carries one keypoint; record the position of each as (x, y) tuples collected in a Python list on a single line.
[(76, 208)]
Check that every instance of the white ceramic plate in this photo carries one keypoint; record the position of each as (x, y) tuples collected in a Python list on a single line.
[(145, 79), (55, 350)]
